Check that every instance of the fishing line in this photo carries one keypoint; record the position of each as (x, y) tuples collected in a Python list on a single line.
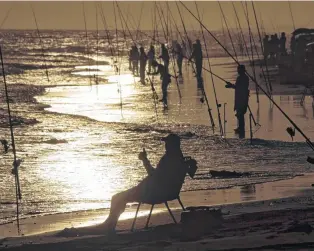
[(251, 45), (41, 43), (173, 65), (213, 83), (155, 96), (262, 46), (117, 69), (230, 37), (291, 15), (262, 89), (87, 46)]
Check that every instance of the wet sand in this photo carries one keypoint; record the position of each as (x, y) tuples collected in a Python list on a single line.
[(261, 197), (281, 224)]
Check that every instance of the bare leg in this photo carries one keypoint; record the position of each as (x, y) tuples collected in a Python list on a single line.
[(118, 204)]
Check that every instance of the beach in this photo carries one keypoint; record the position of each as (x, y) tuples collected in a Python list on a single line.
[(79, 141), (270, 224)]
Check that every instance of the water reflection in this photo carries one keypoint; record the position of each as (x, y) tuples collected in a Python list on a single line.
[(248, 192)]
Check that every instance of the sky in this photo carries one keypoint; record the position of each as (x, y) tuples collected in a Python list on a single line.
[(274, 16)]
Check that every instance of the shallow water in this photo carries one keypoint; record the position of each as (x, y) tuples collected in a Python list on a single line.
[(85, 147)]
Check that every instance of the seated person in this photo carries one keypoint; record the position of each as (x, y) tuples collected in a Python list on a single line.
[(162, 183)]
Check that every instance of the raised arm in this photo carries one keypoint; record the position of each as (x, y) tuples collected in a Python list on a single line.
[(143, 156)]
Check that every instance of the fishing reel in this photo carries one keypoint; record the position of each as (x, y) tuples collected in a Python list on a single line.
[(16, 164), (5, 145), (291, 132), (192, 164)]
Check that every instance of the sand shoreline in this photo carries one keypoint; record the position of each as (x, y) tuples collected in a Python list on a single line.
[(258, 196)]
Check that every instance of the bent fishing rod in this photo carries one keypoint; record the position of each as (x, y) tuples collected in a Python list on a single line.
[(262, 89)]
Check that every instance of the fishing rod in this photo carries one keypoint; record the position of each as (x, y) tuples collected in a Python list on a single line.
[(173, 65), (155, 96), (262, 89), (262, 46), (187, 38), (16, 162), (117, 68), (291, 15), (87, 44), (213, 83), (251, 45), (41, 43), (229, 34), (139, 21), (5, 17)]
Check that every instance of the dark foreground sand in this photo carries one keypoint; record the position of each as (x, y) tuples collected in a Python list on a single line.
[(282, 228)]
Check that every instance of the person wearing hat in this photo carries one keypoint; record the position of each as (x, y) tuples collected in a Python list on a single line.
[(241, 98), (169, 174)]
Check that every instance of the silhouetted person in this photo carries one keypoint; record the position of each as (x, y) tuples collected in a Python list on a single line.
[(241, 98), (276, 46), (130, 59), (179, 56), (165, 80), (164, 56), (157, 186), (135, 56), (282, 44), (197, 55), (266, 46), (143, 60), (151, 58)]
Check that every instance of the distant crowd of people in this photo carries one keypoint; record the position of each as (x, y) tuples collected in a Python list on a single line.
[(138, 60), (274, 47)]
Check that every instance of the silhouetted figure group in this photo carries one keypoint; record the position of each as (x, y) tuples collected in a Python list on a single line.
[(138, 61), (274, 47)]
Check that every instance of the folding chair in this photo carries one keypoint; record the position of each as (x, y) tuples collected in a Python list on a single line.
[(151, 210)]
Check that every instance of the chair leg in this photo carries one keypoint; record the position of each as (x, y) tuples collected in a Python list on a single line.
[(133, 224), (181, 204), (150, 213), (166, 203)]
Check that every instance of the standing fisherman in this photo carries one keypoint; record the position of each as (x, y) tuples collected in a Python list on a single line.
[(143, 60), (151, 58), (197, 55), (164, 56), (165, 80), (282, 44), (266, 46), (135, 57), (179, 56), (130, 58), (241, 98)]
